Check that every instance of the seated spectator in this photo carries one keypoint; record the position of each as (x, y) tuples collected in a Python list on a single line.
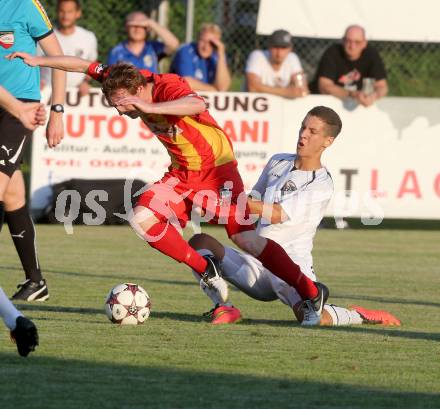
[(137, 50), (277, 70), (203, 63), (74, 40), (344, 67)]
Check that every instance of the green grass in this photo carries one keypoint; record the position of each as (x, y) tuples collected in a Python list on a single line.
[(176, 360)]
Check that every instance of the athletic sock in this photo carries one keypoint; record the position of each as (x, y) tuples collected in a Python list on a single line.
[(8, 312), (343, 316), (277, 261), (165, 238), (2, 214), (22, 231)]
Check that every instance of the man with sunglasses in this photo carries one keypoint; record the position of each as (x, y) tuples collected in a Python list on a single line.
[(352, 69)]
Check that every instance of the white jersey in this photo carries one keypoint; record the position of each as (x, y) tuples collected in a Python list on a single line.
[(83, 44), (303, 196), (258, 63)]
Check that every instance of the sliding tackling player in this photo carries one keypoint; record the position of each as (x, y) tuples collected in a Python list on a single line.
[(290, 198)]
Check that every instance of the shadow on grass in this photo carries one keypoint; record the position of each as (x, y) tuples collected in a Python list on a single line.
[(386, 300), (178, 316), (60, 308), (379, 330), (144, 279), (184, 317), (66, 383)]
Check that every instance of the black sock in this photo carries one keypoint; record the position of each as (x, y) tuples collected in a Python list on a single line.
[(22, 232), (2, 214)]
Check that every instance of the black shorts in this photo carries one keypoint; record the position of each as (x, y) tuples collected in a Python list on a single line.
[(14, 139)]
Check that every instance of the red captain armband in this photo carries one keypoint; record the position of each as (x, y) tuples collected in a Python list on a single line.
[(97, 71)]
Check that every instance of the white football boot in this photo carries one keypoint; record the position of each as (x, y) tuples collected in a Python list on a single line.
[(212, 283)]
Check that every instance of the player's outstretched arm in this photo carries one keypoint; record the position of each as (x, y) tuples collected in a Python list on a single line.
[(272, 212), (188, 105), (63, 62)]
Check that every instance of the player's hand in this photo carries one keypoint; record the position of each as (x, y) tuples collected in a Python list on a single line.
[(135, 101), (147, 23), (41, 115), (84, 88), (55, 129), (217, 44), (32, 115), (29, 59), (294, 92)]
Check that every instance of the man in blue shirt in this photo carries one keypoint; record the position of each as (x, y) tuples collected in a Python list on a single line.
[(24, 24), (203, 63), (137, 50)]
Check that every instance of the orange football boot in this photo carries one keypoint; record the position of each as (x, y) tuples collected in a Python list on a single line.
[(225, 315), (376, 316)]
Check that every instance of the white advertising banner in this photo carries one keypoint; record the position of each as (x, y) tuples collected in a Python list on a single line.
[(254, 123), (390, 20), (100, 144), (384, 164)]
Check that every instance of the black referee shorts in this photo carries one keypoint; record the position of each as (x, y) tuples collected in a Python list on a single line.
[(14, 139)]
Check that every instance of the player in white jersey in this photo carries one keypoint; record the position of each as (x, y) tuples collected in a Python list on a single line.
[(290, 198)]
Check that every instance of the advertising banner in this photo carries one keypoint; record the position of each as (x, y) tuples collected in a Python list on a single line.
[(384, 163), (100, 144)]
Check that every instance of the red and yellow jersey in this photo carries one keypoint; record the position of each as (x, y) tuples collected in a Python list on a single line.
[(193, 142)]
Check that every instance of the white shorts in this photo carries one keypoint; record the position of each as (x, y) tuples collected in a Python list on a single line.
[(250, 276)]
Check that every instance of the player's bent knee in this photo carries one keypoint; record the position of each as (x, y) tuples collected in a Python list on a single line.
[(197, 240), (4, 181), (249, 242), (205, 241), (141, 220), (14, 199)]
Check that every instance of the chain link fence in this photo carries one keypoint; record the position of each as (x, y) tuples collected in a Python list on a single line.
[(412, 67)]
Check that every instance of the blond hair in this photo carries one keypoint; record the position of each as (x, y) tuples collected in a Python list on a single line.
[(211, 28)]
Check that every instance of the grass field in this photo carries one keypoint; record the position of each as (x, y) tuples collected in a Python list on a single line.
[(176, 360)]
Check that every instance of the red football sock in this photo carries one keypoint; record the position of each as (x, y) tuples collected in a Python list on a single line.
[(276, 260), (165, 238)]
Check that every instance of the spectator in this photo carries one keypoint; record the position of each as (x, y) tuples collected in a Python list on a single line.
[(203, 63), (277, 70), (343, 67), (74, 40), (137, 50)]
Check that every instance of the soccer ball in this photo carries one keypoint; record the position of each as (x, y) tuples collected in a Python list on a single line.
[(127, 304)]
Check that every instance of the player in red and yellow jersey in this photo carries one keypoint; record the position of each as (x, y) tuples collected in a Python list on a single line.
[(203, 172)]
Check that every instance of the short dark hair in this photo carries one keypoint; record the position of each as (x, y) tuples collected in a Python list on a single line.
[(122, 76), (77, 3), (329, 117)]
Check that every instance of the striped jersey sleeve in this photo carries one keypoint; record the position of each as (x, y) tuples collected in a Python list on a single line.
[(38, 22)]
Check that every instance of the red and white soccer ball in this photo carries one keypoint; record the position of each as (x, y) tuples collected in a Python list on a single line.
[(127, 304)]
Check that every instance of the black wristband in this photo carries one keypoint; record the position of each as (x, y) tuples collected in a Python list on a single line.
[(57, 108)]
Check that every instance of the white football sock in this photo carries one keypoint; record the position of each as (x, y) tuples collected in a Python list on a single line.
[(343, 316), (7, 311)]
